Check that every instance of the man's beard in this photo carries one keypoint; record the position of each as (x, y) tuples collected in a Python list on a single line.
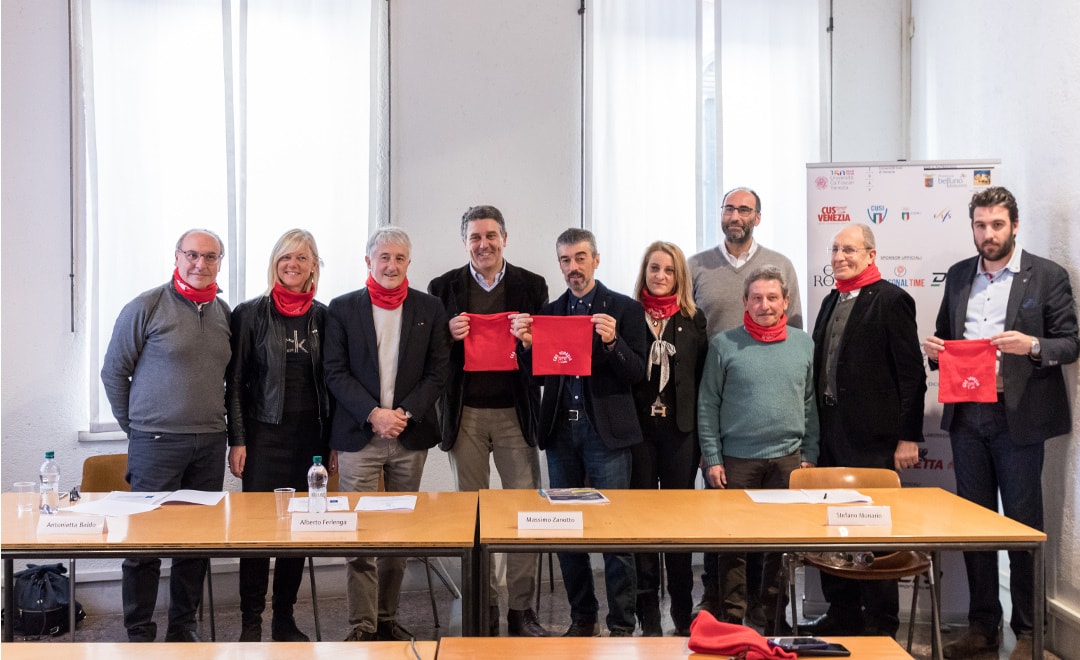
[(992, 253)]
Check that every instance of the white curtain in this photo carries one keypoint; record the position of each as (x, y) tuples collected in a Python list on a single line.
[(671, 125), (245, 118)]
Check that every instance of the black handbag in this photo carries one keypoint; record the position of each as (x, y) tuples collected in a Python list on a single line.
[(42, 593)]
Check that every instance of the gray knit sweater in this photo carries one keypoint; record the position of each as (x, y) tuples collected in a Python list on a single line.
[(164, 370), (718, 286)]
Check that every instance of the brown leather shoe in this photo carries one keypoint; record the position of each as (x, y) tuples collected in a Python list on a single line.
[(1023, 649), (971, 644), (581, 629), (358, 635), (523, 623)]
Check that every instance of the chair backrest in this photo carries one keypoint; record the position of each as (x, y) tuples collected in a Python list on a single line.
[(105, 473), (842, 477)]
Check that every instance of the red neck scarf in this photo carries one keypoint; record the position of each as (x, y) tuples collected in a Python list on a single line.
[(387, 298), (659, 307), (197, 296), (290, 303), (865, 278), (766, 333)]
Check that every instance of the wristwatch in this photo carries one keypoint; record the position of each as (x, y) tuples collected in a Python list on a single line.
[(1036, 350)]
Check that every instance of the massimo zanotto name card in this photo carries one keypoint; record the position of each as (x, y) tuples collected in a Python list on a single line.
[(550, 520)]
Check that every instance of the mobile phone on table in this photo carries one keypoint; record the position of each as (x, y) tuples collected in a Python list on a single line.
[(810, 646)]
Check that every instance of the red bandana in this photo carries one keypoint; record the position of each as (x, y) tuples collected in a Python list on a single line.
[(865, 278), (659, 307), (290, 303), (387, 298), (966, 371), (766, 333), (197, 296)]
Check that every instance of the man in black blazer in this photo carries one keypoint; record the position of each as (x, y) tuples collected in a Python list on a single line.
[(587, 424), (386, 356), (1024, 305), (871, 385), (486, 413)]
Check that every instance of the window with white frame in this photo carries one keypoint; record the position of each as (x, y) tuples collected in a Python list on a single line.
[(246, 118)]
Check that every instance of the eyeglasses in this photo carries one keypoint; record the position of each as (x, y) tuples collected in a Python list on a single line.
[(193, 256), (744, 211), (847, 250)]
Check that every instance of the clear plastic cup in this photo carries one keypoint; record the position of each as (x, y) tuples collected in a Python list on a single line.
[(27, 496), (282, 497)]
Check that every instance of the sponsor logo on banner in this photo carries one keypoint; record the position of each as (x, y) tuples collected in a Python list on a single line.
[(821, 182), (928, 181), (877, 213), (951, 179), (905, 215), (937, 279), (841, 179), (943, 215), (833, 214), (826, 278), (981, 177), (902, 280)]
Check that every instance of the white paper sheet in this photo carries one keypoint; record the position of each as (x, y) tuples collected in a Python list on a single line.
[(387, 503), (824, 496), (338, 503)]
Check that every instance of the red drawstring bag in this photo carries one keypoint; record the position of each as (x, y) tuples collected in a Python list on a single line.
[(490, 346), (966, 372), (562, 345), (730, 640)]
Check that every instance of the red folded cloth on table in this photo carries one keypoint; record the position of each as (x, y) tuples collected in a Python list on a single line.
[(707, 635)]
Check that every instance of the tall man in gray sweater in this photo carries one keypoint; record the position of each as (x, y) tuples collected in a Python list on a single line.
[(718, 275), (164, 375)]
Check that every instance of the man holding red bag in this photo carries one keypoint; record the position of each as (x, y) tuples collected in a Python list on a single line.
[(1024, 305), (491, 407), (587, 423)]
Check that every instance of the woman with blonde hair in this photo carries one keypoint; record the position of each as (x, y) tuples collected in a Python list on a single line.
[(279, 412), (666, 404)]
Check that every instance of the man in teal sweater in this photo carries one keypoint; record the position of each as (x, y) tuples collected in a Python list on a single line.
[(757, 417)]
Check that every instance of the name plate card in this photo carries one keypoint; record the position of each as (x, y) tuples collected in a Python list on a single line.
[(860, 515), (323, 522), (550, 520), (71, 523)]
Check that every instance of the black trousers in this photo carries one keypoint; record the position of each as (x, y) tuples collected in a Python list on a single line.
[(667, 458)]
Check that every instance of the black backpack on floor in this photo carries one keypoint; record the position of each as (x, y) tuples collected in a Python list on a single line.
[(42, 593)]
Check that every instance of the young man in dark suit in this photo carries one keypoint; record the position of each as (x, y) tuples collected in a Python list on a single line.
[(1024, 305), (870, 389), (384, 421), (487, 413), (587, 424)]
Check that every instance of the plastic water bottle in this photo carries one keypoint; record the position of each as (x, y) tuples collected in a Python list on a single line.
[(50, 485), (317, 476)]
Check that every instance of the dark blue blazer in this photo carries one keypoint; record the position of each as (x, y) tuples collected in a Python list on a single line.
[(1040, 304), (610, 400), (351, 364)]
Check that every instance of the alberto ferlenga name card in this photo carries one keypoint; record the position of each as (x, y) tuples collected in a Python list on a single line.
[(324, 522)]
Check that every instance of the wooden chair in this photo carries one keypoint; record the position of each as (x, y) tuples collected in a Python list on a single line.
[(891, 566), (108, 472)]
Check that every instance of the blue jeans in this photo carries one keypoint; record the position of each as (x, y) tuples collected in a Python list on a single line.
[(168, 461), (577, 453), (987, 461)]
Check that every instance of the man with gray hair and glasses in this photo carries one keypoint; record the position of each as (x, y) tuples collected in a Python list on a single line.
[(164, 376)]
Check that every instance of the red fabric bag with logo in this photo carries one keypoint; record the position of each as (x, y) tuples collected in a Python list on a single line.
[(490, 346), (562, 345), (966, 372)]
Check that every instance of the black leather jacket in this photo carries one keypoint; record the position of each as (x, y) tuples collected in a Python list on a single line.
[(255, 379)]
